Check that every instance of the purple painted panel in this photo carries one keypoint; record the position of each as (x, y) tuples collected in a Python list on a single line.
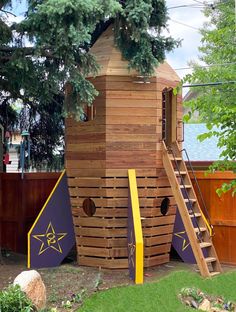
[(53, 235), (131, 242), (180, 241)]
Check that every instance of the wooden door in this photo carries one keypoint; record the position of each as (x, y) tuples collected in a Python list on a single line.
[(169, 116)]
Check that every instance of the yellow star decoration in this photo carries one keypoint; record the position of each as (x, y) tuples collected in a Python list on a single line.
[(50, 239), (180, 235)]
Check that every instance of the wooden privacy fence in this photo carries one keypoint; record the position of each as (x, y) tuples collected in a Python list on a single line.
[(20, 202), (222, 211)]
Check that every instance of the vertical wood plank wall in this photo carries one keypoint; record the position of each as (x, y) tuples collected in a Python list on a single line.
[(222, 212), (125, 133), (20, 203)]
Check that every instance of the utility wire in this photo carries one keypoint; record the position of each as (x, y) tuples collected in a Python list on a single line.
[(186, 25), (193, 6), (218, 83), (206, 66)]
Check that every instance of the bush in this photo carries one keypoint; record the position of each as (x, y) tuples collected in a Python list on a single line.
[(13, 299)]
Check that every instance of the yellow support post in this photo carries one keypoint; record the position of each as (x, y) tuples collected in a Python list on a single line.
[(135, 234)]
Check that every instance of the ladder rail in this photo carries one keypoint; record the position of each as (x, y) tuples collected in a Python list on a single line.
[(190, 207), (183, 191), (205, 215)]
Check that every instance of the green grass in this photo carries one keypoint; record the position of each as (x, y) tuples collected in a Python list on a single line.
[(159, 296)]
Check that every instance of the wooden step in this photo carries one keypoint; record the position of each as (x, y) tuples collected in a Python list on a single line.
[(214, 273), (186, 186), (193, 200), (210, 259), (196, 215), (205, 244), (181, 172), (175, 158), (202, 229)]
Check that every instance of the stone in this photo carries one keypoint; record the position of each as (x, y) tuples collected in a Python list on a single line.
[(32, 285), (205, 305), (194, 304)]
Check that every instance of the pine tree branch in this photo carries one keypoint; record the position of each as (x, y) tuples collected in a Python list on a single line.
[(7, 12), (26, 51)]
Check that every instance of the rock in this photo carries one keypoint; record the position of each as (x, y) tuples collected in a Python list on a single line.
[(205, 305), (32, 284), (194, 304)]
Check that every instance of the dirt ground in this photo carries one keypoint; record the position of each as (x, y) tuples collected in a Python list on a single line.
[(70, 284)]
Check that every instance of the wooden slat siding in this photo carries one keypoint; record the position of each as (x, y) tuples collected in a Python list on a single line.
[(133, 111), (157, 250), (122, 212), (222, 212), (97, 160), (118, 193), (136, 120), (124, 146), (20, 204), (158, 240), (156, 260), (105, 173), (132, 137), (121, 222), (103, 262), (132, 103), (98, 242), (111, 223), (117, 85), (118, 182)]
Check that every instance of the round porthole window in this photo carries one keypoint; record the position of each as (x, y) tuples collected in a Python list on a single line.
[(165, 206), (89, 207)]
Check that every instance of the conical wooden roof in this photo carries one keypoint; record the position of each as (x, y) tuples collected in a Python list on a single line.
[(112, 64)]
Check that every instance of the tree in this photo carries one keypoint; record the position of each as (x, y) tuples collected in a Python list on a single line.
[(50, 47), (216, 103)]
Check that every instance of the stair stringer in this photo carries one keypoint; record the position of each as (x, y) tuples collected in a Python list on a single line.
[(197, 251)]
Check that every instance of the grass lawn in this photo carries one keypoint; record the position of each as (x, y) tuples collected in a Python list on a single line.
[(159, 296)]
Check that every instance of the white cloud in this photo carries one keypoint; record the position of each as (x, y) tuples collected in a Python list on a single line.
[(194, 18)]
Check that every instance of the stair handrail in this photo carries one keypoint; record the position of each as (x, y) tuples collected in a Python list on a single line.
[(199, 234), (207, 217)]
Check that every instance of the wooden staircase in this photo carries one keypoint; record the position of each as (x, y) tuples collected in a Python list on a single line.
[(196, 225)]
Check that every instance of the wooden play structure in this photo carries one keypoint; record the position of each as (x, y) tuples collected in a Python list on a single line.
[(132, 125)]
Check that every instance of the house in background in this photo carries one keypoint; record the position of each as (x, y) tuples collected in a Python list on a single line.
[(191, 95), (13, 151)]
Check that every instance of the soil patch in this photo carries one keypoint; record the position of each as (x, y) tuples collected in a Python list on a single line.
[(71, 284)]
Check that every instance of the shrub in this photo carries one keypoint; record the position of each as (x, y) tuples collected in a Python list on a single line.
[(13, 299)]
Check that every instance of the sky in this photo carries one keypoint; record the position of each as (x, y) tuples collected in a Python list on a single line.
[(193, 19)]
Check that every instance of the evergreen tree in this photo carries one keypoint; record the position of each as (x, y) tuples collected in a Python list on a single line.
[(60, 33)]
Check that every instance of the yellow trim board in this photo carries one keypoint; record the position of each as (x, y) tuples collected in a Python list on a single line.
[(207, 223), (40, 213), (137, 226)]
